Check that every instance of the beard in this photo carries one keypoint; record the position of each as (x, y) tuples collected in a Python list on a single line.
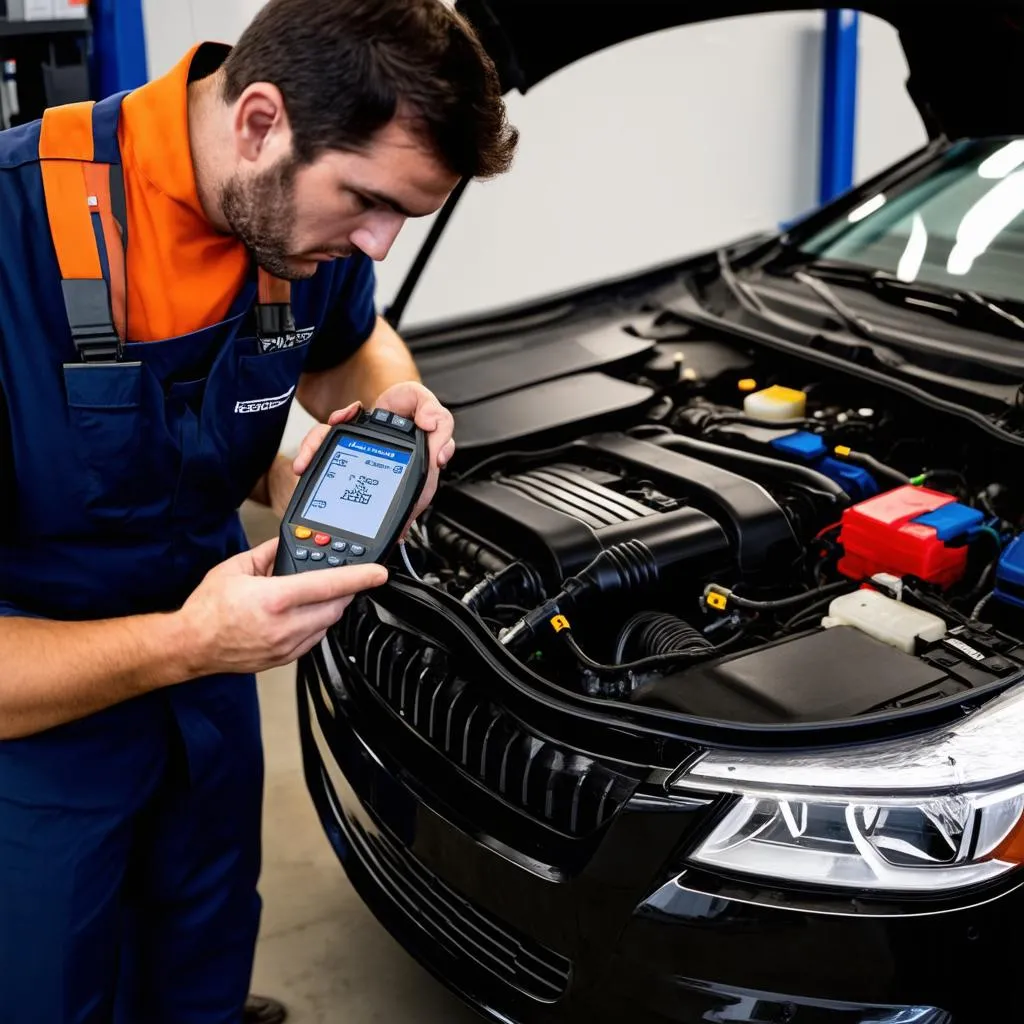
[(261, 212)]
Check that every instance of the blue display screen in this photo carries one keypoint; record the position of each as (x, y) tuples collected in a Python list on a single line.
[(357, 486)]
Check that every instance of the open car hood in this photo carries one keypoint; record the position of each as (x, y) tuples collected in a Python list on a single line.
[(966, 58)]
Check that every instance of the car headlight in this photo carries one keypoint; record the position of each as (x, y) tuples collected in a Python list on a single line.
[(942, 811)]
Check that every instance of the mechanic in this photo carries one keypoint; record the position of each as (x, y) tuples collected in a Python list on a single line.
[(176, 266)]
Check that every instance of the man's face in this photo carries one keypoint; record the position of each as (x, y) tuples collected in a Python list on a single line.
[(295, 218)]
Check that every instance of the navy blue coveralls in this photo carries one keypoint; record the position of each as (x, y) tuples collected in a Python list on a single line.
[(130, 840)]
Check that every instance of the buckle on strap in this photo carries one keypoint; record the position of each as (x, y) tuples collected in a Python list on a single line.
[(275, 326), (87, 302)]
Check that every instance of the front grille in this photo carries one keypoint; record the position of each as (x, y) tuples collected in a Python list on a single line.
[(458, 924), (567, 489), (568, 791)]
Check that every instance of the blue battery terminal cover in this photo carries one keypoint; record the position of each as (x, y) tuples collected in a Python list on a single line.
[(810, 448), (803, 444), (1010, 574), (952, 521)]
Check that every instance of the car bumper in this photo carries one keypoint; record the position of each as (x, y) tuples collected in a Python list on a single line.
[(520, 942)]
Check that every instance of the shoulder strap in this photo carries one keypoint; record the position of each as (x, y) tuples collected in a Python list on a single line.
[(275, 324), (85, 205)]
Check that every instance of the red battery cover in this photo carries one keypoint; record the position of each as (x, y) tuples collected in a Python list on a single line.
[(880, 535)]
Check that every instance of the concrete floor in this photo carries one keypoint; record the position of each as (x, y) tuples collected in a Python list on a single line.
[(320, 950)]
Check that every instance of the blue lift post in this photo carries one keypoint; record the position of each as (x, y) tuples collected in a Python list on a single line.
[(839, 103), (119, 46)]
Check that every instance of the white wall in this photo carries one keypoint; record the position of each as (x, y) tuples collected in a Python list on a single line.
[(640, 154), (888, 125)]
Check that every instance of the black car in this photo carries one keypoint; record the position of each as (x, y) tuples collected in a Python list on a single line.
[(697, 694)]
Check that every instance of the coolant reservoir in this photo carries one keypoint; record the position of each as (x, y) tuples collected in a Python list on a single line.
[(889, 621), (776, 403)]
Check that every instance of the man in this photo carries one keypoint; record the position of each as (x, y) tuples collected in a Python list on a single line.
[(176, 266)]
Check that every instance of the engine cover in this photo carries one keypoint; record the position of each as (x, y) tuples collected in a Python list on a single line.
[(559, 515)]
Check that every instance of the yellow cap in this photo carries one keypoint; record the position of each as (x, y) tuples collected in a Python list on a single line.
[(778, 393), (842, 450), (717, 601), (747, 384)]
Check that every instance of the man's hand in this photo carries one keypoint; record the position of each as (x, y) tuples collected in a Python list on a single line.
[(416, 403), (413, 401), (242, 619)]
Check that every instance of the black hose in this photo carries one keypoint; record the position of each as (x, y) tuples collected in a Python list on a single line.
[(464, 549), (661, 634), (652, 662), (786, 602), (806, 615), (875, 467), (623, 568), (752, 465), (516, 584)]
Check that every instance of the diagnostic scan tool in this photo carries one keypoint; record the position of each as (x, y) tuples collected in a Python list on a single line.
[(358, 494)]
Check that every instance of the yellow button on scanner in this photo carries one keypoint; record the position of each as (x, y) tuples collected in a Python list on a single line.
[(303, 532)]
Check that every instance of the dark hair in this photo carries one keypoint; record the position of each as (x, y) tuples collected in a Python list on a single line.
[(346, 68)]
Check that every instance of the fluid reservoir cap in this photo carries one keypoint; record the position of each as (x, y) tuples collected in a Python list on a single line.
[(776, 403), (802, 443)]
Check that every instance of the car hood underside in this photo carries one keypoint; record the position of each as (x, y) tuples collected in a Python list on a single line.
[(966, 59)]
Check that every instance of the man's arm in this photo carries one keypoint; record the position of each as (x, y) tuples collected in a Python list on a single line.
[(239, 620), (382, 361), (56, 672)]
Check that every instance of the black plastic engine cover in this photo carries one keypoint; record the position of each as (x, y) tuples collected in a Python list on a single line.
[(559, 517), (834, 674), (765, 544), (695, 517)]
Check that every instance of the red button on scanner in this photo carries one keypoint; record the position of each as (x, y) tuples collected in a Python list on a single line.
[(322, 539)]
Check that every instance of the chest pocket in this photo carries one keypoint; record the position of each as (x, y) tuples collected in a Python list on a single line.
[(123, 461)]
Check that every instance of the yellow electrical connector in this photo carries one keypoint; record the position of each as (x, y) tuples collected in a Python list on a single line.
[(560, 623), (748, 384), (843, 450)]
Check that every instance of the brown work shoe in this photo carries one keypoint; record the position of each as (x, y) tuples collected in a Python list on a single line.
[(261, 1010)]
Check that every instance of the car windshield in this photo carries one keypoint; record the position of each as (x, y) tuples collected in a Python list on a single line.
[(961, 226)]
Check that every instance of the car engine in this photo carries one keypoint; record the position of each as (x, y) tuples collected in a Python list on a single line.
[(760, 548)]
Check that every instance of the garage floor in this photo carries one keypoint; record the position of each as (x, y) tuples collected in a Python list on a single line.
[(321, 951)]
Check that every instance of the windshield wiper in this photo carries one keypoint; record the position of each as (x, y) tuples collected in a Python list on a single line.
[(854, 322), (747, 296), (934, 299), (995, 309)]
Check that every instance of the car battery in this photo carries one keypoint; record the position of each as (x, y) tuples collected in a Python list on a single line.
[(909, 531)]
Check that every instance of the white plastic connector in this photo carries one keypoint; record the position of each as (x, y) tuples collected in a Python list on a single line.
[(892, 622)]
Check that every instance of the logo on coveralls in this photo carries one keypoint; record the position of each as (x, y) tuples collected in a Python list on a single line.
[(280, 342), (265, 404)]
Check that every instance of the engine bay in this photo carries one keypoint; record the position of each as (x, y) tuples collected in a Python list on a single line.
[(765, 543)]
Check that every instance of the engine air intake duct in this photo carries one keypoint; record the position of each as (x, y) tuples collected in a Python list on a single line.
[(624, 569)]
